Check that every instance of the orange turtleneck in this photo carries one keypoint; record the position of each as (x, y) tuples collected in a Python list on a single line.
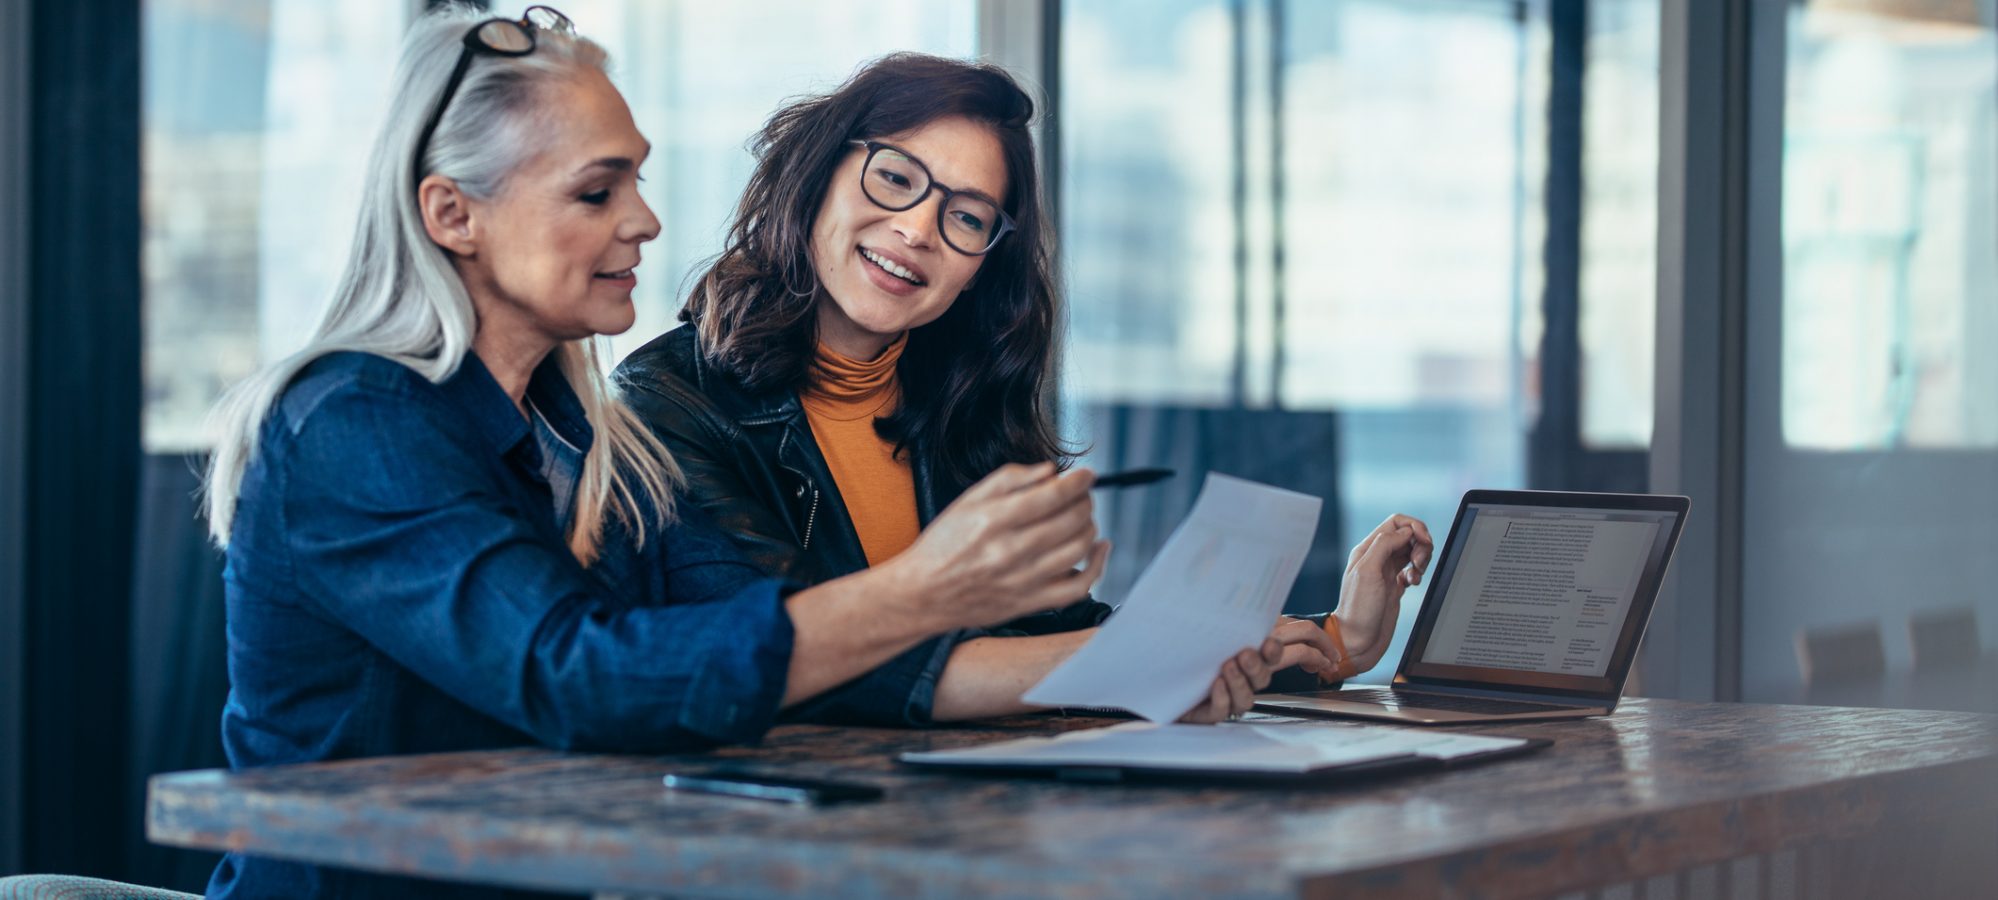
[(842, 400)]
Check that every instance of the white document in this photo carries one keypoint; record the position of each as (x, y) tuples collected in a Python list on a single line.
[(1216, 587), (1229, 747)]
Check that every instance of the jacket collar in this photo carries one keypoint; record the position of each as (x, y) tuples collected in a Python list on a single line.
[(678, 353), (499, 422), (728, 393)]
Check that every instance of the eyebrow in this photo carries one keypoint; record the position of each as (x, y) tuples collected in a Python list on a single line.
[(614, 163), (972, 192), (968, 191)]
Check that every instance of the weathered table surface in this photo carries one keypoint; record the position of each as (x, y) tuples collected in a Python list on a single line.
[(1655, 789)]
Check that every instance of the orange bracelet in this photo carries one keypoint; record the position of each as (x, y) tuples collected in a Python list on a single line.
[(1343, 667)]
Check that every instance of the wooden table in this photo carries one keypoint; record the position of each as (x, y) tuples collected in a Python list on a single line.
[(1672, 799)]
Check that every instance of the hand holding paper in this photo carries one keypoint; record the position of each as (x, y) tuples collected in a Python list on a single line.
[(1214, 589)]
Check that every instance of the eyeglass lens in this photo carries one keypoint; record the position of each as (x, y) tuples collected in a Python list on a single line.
[(515, 37), (548, 19), (894, 181), (505, 36)]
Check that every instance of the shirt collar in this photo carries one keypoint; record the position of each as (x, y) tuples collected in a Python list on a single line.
[(499, 422)]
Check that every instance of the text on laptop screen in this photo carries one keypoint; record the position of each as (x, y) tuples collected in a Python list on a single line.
[(1542, 589)]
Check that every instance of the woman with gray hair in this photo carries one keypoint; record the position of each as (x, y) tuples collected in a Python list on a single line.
[(445, 531)]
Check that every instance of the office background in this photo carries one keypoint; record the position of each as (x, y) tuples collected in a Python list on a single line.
[(1378, 250)]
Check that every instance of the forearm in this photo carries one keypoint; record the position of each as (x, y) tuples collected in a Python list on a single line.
[(848, 626), (985, 677)]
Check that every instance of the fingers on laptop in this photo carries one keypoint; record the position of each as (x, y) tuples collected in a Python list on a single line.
[(1423, 551), (1407, 539), (1388, 551)]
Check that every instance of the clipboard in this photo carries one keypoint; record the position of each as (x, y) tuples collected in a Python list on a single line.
[(1269, 750)]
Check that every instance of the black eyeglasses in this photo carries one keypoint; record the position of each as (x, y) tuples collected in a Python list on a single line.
[(970, 223), (499, 37)]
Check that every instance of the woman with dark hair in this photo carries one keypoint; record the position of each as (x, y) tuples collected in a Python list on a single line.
[(878, 333)]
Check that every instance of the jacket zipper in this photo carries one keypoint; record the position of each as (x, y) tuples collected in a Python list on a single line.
[(810, 518)]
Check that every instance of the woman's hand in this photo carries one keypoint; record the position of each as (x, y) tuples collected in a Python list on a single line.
[(1007, 547), (1381, 567), (1293, 642), (1305, 645), (1234, 690)]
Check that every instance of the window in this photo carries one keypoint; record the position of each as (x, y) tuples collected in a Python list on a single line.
[(1890, 214), (1619, 263), (1306, 243), (259, 114)]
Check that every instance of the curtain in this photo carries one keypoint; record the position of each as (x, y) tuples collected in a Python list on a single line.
[(179, 673)]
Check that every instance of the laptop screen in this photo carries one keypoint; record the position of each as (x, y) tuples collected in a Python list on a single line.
[(1546, 595)]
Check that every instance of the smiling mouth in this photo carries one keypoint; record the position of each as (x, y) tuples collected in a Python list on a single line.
[(614, 276), (886, 265)]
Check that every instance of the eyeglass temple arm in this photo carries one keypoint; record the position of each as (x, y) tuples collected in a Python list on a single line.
[(437, 115)]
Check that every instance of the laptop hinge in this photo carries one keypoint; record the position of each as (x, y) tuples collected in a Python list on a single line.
[(1496, 694)]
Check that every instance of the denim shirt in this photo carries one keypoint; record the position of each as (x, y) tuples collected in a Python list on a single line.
[(398, 582)]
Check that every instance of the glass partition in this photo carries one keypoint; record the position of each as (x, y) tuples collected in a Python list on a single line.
[(1872, 408), (1306, 243)]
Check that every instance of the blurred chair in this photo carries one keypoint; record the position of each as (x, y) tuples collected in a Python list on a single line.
[(1945, 640), (1846, 655), (71, 887)]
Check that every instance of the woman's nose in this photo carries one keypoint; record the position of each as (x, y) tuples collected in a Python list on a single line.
[(918, 224), (644, 225)]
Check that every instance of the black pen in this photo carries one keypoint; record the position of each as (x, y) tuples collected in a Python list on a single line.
[(1132, 478)]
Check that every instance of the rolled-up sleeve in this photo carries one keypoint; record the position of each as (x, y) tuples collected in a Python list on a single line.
[(700, 561), (412, 544), (899, 692)]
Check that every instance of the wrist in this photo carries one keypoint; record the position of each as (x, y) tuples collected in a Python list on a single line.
[(909, 595), (1355, 637), (1349, 663)]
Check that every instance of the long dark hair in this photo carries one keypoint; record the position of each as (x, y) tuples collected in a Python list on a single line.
[(975, 383)]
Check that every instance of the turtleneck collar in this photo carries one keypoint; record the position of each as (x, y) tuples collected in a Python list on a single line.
[(846, 388)]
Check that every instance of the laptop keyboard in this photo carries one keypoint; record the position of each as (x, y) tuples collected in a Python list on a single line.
[(1413, 700)]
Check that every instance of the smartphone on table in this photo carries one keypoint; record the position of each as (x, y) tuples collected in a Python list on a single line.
[(777, 788)]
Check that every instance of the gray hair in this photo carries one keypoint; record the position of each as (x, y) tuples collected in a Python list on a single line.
[(400, 298)]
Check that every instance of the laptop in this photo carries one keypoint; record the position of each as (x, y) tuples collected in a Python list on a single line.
[(1534, 611)]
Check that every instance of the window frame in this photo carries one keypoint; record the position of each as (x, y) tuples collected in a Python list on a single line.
[(14, 99)]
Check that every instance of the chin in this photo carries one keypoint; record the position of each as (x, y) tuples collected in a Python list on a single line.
[(619, 326), (884, 327), (888, 315), (617, 320)]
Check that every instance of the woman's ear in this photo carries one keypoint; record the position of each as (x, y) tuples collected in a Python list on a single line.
[(447, 216)]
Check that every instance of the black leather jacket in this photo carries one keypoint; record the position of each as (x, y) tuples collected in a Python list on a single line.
[(752, 464)]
